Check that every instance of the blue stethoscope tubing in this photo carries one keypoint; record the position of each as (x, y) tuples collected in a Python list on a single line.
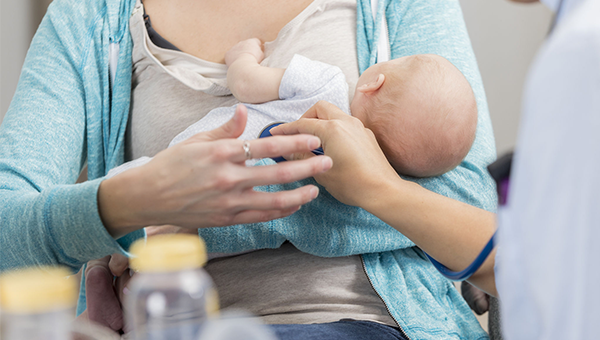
[(472, 268)]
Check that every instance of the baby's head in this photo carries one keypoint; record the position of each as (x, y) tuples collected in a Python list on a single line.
[(422, 111)]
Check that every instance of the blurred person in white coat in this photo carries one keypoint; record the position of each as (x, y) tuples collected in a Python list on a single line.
[(548, 263)]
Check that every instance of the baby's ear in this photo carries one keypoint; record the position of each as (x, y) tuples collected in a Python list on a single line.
[(372, 87)]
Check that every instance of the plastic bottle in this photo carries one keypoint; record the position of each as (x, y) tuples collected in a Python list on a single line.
[(37, 304), (171, 296)]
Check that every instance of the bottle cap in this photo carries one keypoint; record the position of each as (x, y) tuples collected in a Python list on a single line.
[(37, 290), (168, 253)]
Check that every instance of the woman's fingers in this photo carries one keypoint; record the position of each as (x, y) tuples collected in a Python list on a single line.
[(309, 126), (238, 151), (254, 216), (167, 229), (253, 206), (269, 147), (249, 206), (285, 172), (325, 110), (120, 285), (275, 201), (259, 148), (232, 129), (319, 120), (312, 121)]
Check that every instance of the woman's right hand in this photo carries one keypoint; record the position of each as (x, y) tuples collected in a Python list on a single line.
[(203, 182), (361, 172), (450, 231)]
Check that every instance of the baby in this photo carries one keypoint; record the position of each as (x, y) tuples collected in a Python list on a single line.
[(420, 108)]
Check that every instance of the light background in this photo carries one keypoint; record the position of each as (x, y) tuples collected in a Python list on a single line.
[(505, 37)]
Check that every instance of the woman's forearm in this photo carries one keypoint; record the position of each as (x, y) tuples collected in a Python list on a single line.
[(450, 231), (58, 226)]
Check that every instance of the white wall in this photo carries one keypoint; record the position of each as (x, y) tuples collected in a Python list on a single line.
[(15, 33), (18, 21), (505, 37)]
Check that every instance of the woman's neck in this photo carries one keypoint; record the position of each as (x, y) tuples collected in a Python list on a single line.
[(208, 29)]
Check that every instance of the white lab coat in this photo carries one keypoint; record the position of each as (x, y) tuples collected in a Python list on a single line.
[(548, 263)]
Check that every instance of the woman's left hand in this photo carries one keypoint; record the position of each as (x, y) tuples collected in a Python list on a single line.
[(360, 169)]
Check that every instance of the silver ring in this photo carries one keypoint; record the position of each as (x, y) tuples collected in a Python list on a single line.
[(246, 147)]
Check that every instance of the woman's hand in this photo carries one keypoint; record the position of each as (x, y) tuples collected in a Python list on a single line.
[(450, 231), (360, 168), (203, 182)]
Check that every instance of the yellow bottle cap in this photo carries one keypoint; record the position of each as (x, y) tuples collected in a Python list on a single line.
[(37, 290), (168, 253)]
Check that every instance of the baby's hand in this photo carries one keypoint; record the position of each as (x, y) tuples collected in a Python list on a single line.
[(252, 47), (249, 81)]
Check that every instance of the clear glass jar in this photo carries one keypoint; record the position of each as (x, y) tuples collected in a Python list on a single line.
[(171, 296)]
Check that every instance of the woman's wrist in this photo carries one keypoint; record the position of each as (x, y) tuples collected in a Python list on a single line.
[(116, 198), (386, 199)]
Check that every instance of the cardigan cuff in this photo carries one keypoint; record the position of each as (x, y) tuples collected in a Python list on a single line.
[(71, 217)]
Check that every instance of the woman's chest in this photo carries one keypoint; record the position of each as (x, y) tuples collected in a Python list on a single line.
[(207, 29)]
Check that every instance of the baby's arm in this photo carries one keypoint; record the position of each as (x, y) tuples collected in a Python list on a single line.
[(247, 79)]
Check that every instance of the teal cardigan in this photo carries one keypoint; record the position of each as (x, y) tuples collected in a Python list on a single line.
[(72, 105)]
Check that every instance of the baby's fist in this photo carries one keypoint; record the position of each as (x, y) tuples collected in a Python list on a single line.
[(252, 47)]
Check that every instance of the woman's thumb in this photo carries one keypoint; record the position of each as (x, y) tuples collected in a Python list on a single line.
[(233, 128)]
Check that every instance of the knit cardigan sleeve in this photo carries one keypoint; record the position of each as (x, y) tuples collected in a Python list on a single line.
[(46, 219)]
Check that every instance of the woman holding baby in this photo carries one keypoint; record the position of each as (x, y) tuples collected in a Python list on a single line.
[(111, 81)]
